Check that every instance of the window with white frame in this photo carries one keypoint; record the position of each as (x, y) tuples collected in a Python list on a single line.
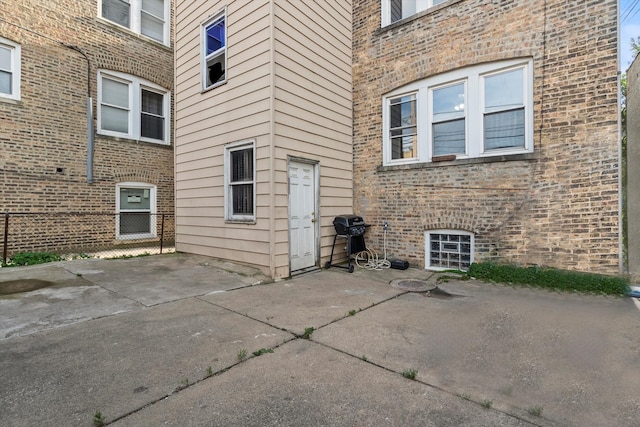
[(395, 10), (403, 126), (240, 181), (480, 111), (449, 249), (214, 51), (9, 69), (130, 107), (135, 210), (147, 17)]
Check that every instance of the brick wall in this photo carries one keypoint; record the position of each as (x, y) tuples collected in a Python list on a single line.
[(557, 206), (43, 136)]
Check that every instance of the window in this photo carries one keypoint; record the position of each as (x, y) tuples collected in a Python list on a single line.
[(240, 182), (446, 249), (214, 46), (395, 10), (135, 210), (504, 109), (448, 130), (147, 17), (481, 111), (9, 69), (133, 108), (403, 126)]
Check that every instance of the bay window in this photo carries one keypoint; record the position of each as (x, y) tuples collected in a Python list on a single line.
[(480, 111)]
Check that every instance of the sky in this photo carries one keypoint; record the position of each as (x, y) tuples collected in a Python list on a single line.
[(629, 27)]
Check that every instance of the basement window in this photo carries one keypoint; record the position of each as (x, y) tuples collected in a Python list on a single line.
[(449, 249)]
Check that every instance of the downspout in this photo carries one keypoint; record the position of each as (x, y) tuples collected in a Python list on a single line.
[(90, 132), (89, 101)]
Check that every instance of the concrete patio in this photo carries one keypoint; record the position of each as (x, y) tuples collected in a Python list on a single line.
[(187, 340)]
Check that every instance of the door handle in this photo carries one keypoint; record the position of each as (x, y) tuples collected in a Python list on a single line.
[(313, 217)]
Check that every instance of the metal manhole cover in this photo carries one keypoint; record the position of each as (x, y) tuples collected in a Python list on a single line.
[(412, 285)]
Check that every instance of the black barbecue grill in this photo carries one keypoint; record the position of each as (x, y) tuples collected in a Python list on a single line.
[(351, 228)]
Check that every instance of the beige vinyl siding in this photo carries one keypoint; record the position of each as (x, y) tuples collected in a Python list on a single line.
[(288, 89), (313, 102), (207, 121)]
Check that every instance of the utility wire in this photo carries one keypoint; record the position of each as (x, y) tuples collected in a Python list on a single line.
[(631, 11)]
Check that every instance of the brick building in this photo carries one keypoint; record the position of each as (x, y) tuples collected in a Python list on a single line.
[(488, 130), (58, 155)]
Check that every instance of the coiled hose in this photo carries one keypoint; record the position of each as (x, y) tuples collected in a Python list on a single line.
[(368, 259)]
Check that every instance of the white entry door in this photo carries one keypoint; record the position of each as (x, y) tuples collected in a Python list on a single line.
[(302, 215)]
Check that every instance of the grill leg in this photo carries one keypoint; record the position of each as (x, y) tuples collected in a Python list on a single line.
[(328, 264), (349, 252), (349, 265)]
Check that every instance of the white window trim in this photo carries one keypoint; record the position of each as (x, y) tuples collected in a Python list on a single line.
[(421, 5), (136, 20), (15, 69), (427, 246), (152, 210), (136, 85), (228, 198), (203, 49), (429, 130), (473, 78)]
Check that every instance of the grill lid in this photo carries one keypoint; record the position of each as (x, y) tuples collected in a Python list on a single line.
[(348, 220)]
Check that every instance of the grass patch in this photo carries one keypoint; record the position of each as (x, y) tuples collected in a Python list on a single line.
[(550, 278), (487, 403), (32, 258)]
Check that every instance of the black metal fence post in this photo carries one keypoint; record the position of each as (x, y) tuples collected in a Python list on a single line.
[(6, 237), (161, 234)]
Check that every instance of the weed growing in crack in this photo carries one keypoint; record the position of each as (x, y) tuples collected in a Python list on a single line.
[(487, 403), (183, 384), (352, 312), (98, 419), (242, 353), (536, 411), (410, 373), (307, 332), (209, 371), (262, 351)]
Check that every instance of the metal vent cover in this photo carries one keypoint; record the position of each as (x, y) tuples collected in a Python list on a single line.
[(413, 285)]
